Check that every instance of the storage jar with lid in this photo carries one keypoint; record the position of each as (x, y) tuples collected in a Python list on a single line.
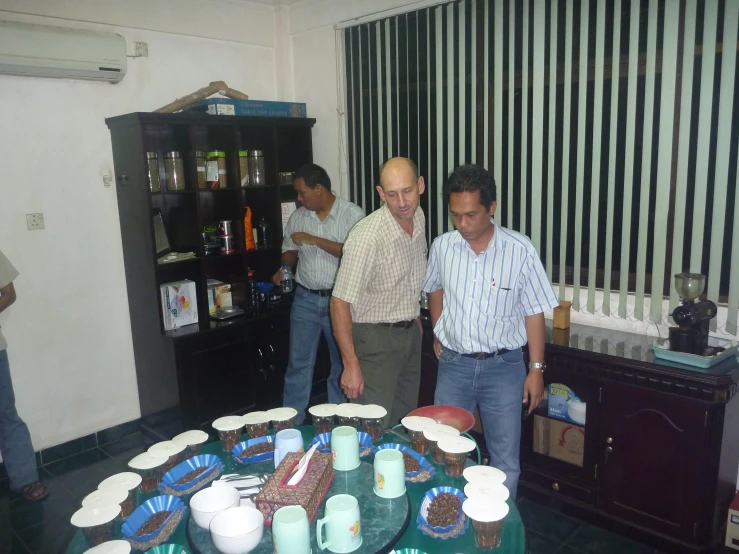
[(244, 167), (257, 174), (200, 168), (152, 171), (174, 171), (215, 170)]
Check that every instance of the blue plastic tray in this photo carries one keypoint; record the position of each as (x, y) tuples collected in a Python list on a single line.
[(423, 462), (424, 510), (661, 349), (141, 514), (212, 462), (239, 448)]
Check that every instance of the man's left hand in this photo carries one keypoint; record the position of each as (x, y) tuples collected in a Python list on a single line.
[(303, 239), (533, 389)]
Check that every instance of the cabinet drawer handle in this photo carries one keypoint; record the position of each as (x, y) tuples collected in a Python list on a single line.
[(555, 486)]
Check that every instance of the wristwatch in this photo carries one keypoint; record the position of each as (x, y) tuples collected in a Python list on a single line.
[(538, 365)]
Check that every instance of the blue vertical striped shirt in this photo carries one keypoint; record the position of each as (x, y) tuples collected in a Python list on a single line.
[(487, 295)]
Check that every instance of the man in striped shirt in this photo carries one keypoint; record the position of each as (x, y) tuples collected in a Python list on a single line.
[(487, 293), (314, 237), (375, 306)]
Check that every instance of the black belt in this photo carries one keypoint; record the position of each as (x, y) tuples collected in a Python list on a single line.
[(486, 355), (322, 292), (399, 324)]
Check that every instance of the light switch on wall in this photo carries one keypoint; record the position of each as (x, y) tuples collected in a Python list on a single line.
[(35, 221)]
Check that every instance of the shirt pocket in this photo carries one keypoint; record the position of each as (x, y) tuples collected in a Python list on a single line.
[(501, 294)]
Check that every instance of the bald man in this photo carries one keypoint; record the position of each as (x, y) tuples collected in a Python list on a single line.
[(374, 309)]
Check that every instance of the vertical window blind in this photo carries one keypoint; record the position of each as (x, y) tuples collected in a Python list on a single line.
[(611, 128)]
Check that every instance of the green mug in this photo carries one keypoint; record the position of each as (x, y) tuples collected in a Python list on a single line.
[(291, 531), (341, 518), (345, 448), (389, 481)]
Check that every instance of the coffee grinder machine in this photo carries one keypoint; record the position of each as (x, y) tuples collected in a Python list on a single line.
[(692, 316)]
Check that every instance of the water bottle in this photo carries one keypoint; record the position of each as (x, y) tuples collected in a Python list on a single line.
[(287, 278)]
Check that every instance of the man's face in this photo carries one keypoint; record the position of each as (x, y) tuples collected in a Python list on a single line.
[(401, 192), (308, 197), (470, 217)]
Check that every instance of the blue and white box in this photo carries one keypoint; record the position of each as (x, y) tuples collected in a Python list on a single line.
[(260, 108), (565, 405)]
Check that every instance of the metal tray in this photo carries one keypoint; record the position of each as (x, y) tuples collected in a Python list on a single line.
[(227, 313), (661, 348)]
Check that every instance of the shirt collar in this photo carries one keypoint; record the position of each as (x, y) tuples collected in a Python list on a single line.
[(494, 242), (419, 226), (333, 213)]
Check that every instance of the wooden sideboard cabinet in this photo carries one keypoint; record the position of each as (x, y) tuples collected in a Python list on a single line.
[(657, 456)]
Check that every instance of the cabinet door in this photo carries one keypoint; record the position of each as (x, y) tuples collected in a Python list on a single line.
[(653, 450), (218, 378)]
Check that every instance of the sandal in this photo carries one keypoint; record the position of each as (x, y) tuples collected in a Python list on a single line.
[(35, 491)]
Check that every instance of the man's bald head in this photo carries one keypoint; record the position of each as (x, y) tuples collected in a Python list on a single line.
[(399, 165), (400, 188)]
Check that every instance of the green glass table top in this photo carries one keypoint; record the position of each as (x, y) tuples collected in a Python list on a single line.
[(383, 521), (513, 539)]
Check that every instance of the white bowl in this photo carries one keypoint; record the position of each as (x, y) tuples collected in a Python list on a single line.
[(208, 503), (237, 530)]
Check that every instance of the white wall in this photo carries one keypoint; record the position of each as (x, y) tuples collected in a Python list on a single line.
[(69, 332)]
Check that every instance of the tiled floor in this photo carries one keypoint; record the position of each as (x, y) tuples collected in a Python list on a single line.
[(44, 527)]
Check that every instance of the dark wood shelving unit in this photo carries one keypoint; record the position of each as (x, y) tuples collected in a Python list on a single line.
[(188, 366)]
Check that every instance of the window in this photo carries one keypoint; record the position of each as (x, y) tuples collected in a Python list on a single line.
[(611, 128)]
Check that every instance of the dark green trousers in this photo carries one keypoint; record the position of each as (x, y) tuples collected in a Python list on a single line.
[(390, 359)]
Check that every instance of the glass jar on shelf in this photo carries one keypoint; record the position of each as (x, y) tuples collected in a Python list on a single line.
[(200, 161), (152, 171), (174, 171), (215, 170), (244, 167), (257, 173)]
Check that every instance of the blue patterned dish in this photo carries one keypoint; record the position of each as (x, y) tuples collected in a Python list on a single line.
[(324, 440), (141, 515), (423, 462), (263, 457), (212, 462), (441, 532)]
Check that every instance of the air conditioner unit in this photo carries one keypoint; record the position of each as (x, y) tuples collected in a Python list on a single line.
[(45, 51)]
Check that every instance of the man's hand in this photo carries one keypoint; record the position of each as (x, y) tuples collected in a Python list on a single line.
[(438, 348), (352, 380), (303, 239), (533, 389), (277, 277)]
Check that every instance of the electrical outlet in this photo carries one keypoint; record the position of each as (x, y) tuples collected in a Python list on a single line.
[(107, 180), (141, 49), (35, 221)]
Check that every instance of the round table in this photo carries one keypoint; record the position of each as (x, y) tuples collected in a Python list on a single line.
[(513, 539)]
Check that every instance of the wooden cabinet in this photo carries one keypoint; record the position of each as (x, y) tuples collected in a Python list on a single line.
[(208, 369), (653, 450), (658, 458)]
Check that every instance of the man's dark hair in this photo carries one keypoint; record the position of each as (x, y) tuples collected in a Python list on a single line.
[(313, 175), (469, 178)]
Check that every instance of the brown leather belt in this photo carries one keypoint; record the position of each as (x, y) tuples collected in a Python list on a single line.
[(399, 324)]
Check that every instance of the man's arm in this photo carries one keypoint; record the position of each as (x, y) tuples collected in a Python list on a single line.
[(533, 387), (306, 239), (436, 303), (352, 380), (7, 296), (289, 257)]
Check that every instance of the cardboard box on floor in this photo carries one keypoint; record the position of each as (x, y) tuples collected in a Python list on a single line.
[(541, 434), (566, 442)]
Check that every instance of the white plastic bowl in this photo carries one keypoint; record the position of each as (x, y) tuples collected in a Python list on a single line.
[(237, 530), (208, 503)]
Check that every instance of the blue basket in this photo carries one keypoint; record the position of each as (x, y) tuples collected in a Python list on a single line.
[(324, 440), (423, 462), (212, 462), (141, 514), (424, 510), (239, 448)]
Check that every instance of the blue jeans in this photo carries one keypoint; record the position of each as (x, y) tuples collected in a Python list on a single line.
[(15, 440), (309, 318), (496, 386)]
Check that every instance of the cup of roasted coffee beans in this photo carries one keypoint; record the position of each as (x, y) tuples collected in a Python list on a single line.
[(487, 517)]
